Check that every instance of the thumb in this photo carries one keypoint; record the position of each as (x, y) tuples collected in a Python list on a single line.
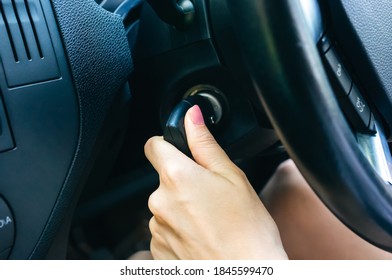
[(203, 146)]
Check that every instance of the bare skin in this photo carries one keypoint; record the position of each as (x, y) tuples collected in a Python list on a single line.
[(206, 209)]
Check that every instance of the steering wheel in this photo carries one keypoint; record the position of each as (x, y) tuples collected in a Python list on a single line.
[(279, 43)]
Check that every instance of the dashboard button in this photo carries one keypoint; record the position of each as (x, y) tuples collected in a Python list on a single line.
[(325, 44), (357, 111), (7, 227), (361, 109), (372, 124), (339, 72)]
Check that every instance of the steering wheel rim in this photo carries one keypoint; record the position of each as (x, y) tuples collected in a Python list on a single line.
[(293, 88)]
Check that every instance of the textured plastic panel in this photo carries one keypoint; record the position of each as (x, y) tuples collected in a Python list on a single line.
[(100, 62), (363, 28), (26, 48), (97, 49)]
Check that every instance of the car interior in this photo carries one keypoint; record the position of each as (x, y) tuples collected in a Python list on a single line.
[(84, 85)]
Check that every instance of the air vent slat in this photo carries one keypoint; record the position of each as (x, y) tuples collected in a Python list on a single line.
[(33, 27), (9, 43), (14, 27), (21, 29)]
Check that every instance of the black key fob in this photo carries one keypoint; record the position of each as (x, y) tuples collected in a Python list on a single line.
[(174, 131)]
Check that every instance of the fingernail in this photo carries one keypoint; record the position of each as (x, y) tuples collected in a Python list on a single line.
[(196, 115)]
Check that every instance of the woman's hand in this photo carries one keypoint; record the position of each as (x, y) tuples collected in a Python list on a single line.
[(206, 209)]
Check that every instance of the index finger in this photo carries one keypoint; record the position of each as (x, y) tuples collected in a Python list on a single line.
[(162, 154)]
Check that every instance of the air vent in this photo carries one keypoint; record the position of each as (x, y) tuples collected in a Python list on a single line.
[(26, 48)]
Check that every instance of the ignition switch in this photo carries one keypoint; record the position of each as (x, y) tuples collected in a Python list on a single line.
[(212, 109)]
